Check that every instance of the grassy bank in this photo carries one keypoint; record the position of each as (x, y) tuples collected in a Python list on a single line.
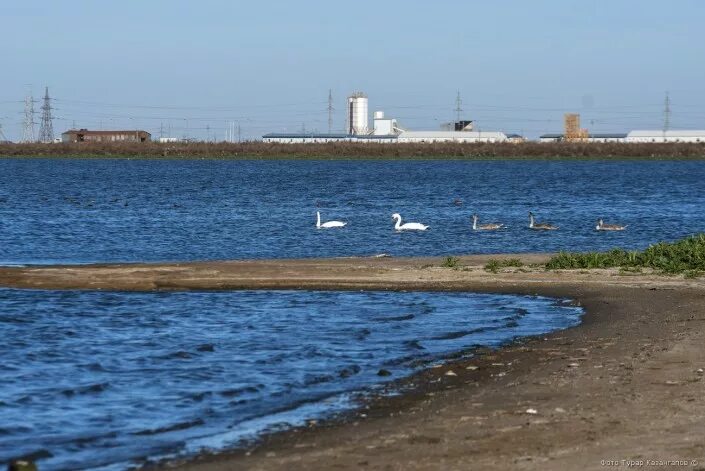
[(685, 256), (342, 150)]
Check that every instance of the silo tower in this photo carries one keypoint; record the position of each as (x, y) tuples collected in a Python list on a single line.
[(357, 114)]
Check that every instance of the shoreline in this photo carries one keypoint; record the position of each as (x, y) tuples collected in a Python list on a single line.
[(257, 150), (626, 383)]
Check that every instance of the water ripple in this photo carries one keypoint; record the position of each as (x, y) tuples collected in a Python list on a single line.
[(143, 375)]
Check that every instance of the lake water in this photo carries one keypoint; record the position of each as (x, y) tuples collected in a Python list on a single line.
[(60, 211), (102, 379)]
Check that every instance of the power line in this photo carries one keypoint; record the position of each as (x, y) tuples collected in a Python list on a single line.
[(330, 111), (458, 106), (46, 129), (667, 113), (28, 122)]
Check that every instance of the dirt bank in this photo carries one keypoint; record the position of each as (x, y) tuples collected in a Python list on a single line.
[(627, 384), (348, 150)]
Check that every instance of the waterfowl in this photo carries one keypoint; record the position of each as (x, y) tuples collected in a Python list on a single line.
[(601, 226), (409, 226), (329, 224), (541, 226), (484, 227)]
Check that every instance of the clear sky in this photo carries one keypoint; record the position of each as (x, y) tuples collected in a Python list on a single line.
[(191, 66)]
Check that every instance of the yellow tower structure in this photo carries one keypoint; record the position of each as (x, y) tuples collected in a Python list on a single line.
[(572, 130)]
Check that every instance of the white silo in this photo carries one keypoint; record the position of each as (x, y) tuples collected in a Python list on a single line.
[(357, 114)]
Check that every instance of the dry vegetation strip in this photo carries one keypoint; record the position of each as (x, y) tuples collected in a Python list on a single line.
[(256, 150)]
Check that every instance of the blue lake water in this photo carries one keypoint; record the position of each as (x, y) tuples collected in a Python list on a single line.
[(103, 379), (58, 211)]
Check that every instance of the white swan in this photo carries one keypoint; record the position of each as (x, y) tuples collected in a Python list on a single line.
[(329, 224), (409, 226)]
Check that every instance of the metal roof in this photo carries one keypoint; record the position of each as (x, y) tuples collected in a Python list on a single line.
[(671, 133), (86, 131), (451, 134), (277, 135), (617, 135)]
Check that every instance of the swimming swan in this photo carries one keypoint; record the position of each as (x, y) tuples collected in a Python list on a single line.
[(540, 227), (409, 226), (484, 227), (329, 224), (601, 226)]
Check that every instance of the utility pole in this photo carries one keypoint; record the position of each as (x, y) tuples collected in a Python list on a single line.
[(667, 114), (46, 128), (458, 106), (330, 111), (28, 122), (239, 133)]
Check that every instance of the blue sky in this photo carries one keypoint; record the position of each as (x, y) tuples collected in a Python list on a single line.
[(192, 66)]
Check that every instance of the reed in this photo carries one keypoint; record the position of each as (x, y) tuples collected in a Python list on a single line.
[(350, 150), (686, 256)]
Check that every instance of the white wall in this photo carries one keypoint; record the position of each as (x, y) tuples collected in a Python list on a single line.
[(452, 136), (667, 136)]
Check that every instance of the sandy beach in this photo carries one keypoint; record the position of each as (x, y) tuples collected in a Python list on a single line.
[(627, 384)]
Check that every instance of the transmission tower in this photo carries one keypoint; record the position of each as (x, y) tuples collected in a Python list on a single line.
[(46, 129), (667, 113), (458, 106), (2, 134), (28, 122), (330, 111)]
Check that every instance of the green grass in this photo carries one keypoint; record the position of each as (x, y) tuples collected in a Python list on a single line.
[(494, 265), (451, 262), (686, 256)]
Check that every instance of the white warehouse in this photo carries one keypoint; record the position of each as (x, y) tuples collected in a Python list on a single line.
[(635, 137), (666, 136), (451, 136)]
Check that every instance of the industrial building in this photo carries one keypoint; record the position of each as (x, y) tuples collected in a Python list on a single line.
[(451, 136), (598, 137), (316, 138), (666, 136), (634, 137), (387, 130), (574, 133), (85, 135)]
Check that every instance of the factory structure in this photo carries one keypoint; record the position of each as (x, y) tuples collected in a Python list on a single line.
[(387, 130), (633, 137), (574, 133)]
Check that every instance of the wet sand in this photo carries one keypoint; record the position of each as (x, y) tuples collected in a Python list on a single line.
[(627, 384)]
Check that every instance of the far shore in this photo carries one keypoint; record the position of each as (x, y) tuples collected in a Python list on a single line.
[(359, 151), (626, 384)]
